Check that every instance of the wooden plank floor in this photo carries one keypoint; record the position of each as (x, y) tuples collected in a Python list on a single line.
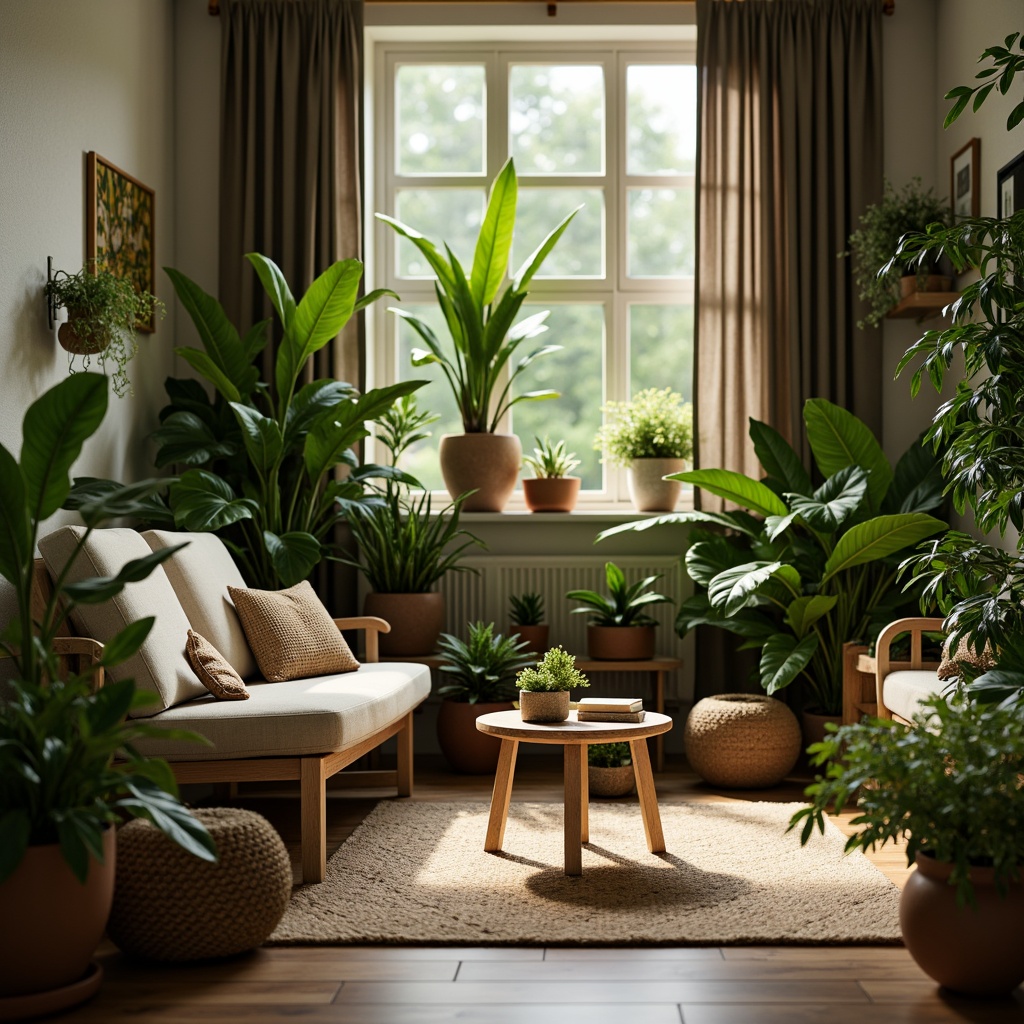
[(528, 985)]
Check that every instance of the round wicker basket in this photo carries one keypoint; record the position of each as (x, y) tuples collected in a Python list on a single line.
[(610, 781), (741, 740), (169, 905)]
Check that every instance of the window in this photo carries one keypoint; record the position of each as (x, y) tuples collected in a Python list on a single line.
[(613, 128)]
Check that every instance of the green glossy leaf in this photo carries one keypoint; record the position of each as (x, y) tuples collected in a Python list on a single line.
[(109, 705), (275, 285), (805, 611), (203, 502), (917, 483), (735, 487), (778, 458), (261, 436), (524, 275), (311, 402), (494, 242), (878, 538), (100, 500), (834, 502), (776, 526), (204, 364), (734, 588), (748, 623), (437, 262), (148, 800), (293, 555), (783, 658), (187, 439), (126, 643), (15, 535), (730, 520)]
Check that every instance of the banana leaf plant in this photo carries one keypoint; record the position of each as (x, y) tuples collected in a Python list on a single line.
[(268, 467), (798, 570), (478, 364)]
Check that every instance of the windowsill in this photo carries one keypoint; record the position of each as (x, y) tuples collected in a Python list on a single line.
[(596, 515)]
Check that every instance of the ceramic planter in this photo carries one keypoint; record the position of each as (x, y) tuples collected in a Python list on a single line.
[(610, 782), (544, 705), (620, 643), (551, 494), (927, 283), (536, 636), (975, 950), (813, 726), (648, 491), (485, 463), (468, 750), (416, 621)]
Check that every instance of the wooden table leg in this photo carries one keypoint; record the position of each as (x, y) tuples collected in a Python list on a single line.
[(659, 706), (501, 795), (648, 797), (584, 796), (573, 809)]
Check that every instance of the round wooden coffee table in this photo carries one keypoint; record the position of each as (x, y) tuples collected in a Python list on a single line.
[(574, 736)]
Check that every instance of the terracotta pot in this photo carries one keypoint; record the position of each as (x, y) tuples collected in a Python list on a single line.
[(812, 726), (610, 781), (647, 490), (544, 705), (976, 950), (71, 342), (468, 750), (416, 621), (52, 922), (551, 494), (620, 643), (486, 463), (928, 283), (536, 636)]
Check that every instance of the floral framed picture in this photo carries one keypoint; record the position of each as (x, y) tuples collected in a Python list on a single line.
[(120, 222), (965, 181)]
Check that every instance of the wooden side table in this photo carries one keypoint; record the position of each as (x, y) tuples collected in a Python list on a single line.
[(574, 736)]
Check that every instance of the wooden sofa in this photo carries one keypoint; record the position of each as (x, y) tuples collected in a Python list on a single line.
[(303, 730)]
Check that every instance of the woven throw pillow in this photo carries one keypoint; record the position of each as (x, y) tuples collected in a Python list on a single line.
[(213, 669), (949, 667), (291, 634)]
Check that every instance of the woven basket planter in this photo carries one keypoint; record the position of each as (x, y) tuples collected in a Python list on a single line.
[(544, 705), (610, 781), (169, 905)]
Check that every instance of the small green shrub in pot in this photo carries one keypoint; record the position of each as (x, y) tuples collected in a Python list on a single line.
[(609, 755), (609, 769), (544, 690)]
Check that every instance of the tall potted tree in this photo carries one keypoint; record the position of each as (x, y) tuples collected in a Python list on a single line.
[(478, 361)]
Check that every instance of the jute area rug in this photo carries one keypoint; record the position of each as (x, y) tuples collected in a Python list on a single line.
[(417, 873)]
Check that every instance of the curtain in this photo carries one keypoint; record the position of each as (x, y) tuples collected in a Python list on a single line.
[(790, 153)]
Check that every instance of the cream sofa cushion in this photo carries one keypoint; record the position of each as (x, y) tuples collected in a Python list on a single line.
[(902, 692), (160, 665), (295, 718), (201, 574)]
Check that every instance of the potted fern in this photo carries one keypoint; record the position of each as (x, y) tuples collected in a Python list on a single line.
[(526, 612), (552, 488)]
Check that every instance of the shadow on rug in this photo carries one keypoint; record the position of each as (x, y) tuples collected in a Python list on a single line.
[(417, 873)]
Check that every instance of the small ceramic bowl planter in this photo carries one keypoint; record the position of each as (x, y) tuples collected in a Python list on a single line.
[(544, 690)]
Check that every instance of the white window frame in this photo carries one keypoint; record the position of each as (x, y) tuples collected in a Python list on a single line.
[(616, 291)]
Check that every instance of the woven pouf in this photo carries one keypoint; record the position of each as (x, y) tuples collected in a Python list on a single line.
[(741, 740), (170, 905)]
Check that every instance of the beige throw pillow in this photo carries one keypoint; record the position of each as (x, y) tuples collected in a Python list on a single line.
[(213, 669), (291, 634), (949, 667)]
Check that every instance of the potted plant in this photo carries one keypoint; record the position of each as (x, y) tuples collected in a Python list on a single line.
[(951, 787), (526, 612), (60, 792), (478, 362), (609, 769), (103, 311), (405, 547), (482, 671), (881, 281), (801, 570), (653, 436), (620, 628), (544, 690), (551, 489)]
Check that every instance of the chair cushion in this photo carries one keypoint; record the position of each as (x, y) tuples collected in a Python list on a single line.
[(902, 692), (213, 670), (291, 633), (295, 718), (201, 574), (160, 665)]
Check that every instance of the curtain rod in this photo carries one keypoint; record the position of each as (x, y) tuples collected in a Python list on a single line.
[(213, 6)]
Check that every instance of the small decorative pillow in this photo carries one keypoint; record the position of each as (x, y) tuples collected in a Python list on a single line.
[(291, 633), (949, 667), (213, 669)]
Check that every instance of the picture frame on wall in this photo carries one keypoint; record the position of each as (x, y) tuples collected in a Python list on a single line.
[(1010, 187), (965, 181), (120, 225)]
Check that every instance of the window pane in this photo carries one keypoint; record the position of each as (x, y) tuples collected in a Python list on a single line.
[(451, 215), (662, 118), (661, 232), (556, 118), (661, 348), (439, 119), (577, 371), (421, 459), (580, 251)]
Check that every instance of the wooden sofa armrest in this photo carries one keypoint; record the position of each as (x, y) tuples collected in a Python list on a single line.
[(915, 627), (84, 649), (373, 625)]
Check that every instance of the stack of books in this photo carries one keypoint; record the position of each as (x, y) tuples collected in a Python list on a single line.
[(610, 709)]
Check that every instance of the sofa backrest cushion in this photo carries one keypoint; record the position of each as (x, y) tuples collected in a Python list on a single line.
[(201, 574), (160, 665)]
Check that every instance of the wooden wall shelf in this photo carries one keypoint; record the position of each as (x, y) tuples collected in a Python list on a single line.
[(921, 305)]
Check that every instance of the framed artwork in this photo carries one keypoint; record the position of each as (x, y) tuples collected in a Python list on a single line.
[(1010, 186), (119, 225), (965, 181)]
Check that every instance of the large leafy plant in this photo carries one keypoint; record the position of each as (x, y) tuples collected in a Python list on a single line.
[(482, 668), (271, 466), (801, 569), (58, 735), (478, 363)]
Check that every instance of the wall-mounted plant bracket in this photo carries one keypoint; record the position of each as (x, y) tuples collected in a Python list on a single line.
[(51, 305)]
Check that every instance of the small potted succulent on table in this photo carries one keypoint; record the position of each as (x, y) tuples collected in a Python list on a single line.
[(552, 488), (620, 629), (526, 611), (609, 769), (544, 690)]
